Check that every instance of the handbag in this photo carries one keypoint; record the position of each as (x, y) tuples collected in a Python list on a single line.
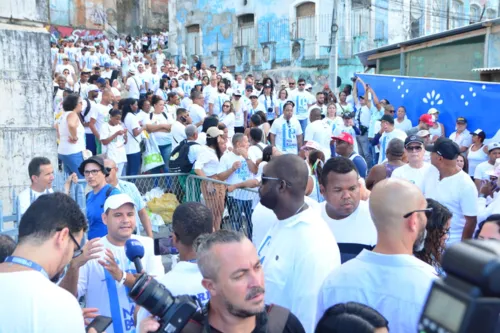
[(151, 158)]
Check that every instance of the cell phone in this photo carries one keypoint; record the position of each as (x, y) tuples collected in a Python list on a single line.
[(163, 246), (100, 323)]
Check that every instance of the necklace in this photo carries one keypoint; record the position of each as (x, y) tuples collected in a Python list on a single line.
[(298, 210)]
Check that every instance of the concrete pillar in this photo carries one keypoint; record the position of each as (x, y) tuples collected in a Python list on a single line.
[(26, 117)]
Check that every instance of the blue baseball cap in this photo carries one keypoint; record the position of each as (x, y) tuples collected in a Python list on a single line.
[(107, 65)]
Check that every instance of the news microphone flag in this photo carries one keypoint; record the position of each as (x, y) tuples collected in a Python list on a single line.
[(134, 252)]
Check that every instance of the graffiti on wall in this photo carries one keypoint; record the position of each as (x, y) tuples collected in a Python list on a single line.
[(59, 32)]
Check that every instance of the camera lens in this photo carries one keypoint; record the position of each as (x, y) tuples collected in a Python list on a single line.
[(151, 295), (269, 110)]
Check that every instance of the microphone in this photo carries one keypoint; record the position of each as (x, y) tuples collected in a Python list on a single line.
[(134, 252)]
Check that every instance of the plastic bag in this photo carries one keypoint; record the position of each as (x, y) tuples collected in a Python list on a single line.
[(164, 206), (151, 158)]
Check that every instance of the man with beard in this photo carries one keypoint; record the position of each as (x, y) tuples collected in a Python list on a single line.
[(389, 279), (233, 275), (50, 233), (294, 269), (347, 216), (217, 99)]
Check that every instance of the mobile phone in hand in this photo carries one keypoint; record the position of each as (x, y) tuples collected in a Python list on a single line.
[(100, 323)]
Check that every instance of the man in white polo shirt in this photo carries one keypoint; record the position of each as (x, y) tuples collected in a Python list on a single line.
[(386, 134), (343, 210), (190, 220), (318, 131), (299, 250), (481, 173), (416, 171), (453, 189), (389, 279), (286, 133)]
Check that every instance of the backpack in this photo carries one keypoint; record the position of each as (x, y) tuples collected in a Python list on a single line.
[(179, 160), (86, 112), (151, 115), (276, 322), (108, 192)]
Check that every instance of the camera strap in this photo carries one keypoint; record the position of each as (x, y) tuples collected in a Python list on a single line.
[(27, 263)]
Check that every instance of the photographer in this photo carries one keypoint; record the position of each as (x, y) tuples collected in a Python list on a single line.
[(233, 275), (50, 233), (190, 220), (105, 281)]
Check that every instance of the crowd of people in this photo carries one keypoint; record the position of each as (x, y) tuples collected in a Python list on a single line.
[(355, 207)]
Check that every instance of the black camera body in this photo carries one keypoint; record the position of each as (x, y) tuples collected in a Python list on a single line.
[(174, 312), (467, 299), (269, 110)]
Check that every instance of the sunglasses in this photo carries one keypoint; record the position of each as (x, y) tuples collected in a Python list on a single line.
[(265, 179), (301, 84), (414, 148), (426, 210)]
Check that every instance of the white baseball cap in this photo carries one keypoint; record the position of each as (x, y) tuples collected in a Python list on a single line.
[(117, 200)]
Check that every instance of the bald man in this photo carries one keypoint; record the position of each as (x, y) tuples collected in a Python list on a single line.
[(389, 279), (299, 250)]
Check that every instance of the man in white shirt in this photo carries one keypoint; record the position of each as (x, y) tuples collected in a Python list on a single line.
[(217, 99), (481, 172), (318, 131), (320, 104), (239, 201), (50, 233), (105, 281), (189, 221), (303, 101), (143, 79), (389, 279), (225, 74), (208, 91), (178, 129), (133, 85), (286, 133), (343, 210), (196, 110), (389, 132), (107, 71), (462, 136), (488, 202), (312, 254), (453, 189), (416, 171)]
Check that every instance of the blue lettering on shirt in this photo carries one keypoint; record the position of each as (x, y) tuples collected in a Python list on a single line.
[(264, 244)]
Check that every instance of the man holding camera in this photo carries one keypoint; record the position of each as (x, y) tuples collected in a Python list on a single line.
[(105, 281), (233, 275), (190, 220)]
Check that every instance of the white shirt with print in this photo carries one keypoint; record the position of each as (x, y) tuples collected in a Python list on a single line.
[(238, 176), (286, 133)]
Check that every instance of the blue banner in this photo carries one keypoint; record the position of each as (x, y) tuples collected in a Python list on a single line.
[(478, 102)]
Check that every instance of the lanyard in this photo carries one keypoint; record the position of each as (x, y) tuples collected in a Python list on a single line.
[(27, 263)]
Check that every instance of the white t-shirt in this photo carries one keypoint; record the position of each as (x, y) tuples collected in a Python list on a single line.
[(115, 150), (184, 279), (133, 143), (218, 99), (416, 176), (323, 108), (286, 134), (142, 79), (253, 110), (269, 102), (239, 113), (459, 194), (463, 139), (357, 228), (386, 138), (229, 120), (238, 176), (197, 114), (162, 138), (302, 100), (481, 169), (186, 102), (320, 132), (394, 285), (207, 161), (142, 117), (208, 93), (102, 112), (349, 130), (32, 303), (289, 265), (133, 84), (178, 132), (28, 196), (255, 153), (404, 126), (102, 291)]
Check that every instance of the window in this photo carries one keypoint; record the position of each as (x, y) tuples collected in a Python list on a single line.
[(475, 13), (193, 40), (360, 21), (306, 27), (417, 16), (491, 13), (246, 30), (457, 14), (437, 16)]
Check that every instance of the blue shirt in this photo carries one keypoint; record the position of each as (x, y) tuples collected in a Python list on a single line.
[(95, 208)]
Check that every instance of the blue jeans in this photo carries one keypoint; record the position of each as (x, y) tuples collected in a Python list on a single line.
[(303, 124), (236, 208), (90, 143), (365, 149), (133, 164), (71, 163)]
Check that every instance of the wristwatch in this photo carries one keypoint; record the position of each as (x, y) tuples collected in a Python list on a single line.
[(122, 281)]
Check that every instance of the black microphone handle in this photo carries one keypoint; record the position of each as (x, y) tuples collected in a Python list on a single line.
[(138, 265)]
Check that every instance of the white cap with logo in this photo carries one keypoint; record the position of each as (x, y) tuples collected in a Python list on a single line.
[(117, 200)]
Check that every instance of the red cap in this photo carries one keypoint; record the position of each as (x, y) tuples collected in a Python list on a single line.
[(344, 137), (427, 119)]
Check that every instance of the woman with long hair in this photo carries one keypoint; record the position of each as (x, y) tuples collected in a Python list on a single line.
[(282, 99), (163, 89), (270, 103), (159, 125), (316, 160), (228, 117), (205, 81), (72, 135), (134, 132), (114, 139), (174, 87), (207, 166), (438, 227), (342, 105)]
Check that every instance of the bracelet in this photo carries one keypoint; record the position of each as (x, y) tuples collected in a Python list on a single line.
[(122, 281)]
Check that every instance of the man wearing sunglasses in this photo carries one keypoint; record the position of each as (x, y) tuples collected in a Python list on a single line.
[(389, 279), (50, 233), (416, 171)]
